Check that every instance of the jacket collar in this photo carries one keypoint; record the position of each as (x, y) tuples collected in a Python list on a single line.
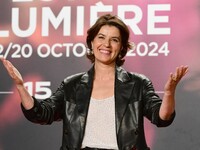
[(121, 75)]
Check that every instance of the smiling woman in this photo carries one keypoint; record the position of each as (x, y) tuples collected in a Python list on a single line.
[(105, 98), (118, 29), (107, 45)]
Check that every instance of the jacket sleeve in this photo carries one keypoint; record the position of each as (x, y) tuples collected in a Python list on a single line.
[(48, 110), (152, 103)]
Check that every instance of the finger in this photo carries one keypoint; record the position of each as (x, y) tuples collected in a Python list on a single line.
[(172, 77), (182, 71), (175, 75), (179, 72), (9, 67), (186, 69), (10, 64), (1, 58), (5, 63)]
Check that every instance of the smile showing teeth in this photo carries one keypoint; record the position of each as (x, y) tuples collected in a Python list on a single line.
[(105, 51)]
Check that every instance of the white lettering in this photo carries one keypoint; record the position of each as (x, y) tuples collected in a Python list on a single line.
[(100, 7), (64, 19), (80, 20), (4, 33), (132, 22), (68, 45), (48, 16), (32, 23), (82, 49), (54, 48), (153, 19), (44, 50)]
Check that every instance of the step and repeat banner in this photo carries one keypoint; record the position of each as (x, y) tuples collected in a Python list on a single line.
[(45, 40)]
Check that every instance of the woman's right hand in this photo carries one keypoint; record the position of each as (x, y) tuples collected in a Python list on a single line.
[(26, 99), (13, 72)]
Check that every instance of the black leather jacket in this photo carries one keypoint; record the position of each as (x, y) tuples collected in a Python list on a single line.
[(134, 98)]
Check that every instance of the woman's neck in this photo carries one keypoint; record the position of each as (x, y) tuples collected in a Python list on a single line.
[(104, 72)]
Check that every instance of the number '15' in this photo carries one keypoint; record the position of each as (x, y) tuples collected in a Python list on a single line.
[(39, 89)]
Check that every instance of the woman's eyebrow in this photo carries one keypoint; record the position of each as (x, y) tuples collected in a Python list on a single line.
[(117, 37), (101, 34)]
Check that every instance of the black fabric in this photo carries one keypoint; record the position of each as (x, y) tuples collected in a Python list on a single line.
[(90, 148)]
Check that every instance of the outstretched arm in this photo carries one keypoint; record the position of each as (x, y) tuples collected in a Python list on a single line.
[(168, 104), (26, 99)]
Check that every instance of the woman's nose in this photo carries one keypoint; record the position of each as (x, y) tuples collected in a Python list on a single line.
[(107, 42)]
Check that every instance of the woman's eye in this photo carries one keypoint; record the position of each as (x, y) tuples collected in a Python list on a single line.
[(101, 37), (115, 40)]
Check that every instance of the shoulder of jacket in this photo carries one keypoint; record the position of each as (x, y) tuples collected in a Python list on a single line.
[(138, 76), (124, 75), (73, 77)]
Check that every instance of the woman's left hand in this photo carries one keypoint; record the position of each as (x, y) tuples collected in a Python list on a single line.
[(174, 79), (168, 104)]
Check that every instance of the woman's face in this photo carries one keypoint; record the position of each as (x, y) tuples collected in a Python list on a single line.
[(107, 45)]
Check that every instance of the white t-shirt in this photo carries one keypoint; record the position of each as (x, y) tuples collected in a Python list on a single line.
[(100, 131)]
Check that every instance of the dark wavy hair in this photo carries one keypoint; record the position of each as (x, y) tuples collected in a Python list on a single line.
[(111, 20)]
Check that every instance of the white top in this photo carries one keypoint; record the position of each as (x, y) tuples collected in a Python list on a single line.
[(100, 131)]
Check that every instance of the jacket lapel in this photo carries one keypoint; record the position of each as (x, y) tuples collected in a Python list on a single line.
[(83, 97), (123, 90)]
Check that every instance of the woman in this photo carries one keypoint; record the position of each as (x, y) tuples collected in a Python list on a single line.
[(104, 107)]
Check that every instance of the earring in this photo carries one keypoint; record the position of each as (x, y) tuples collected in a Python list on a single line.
[(119, 56), (90, 52)]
